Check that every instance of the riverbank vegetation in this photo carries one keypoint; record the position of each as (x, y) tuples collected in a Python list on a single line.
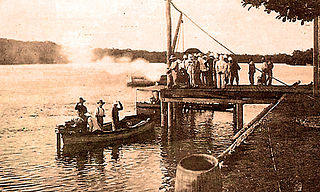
[(30, 52), (36, 52), (296, 58)]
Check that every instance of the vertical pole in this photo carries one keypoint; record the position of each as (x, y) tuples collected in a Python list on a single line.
[(316, 37), (163, 106), (168, 17), (176, 33), (239, 116), (235, 118), (170, 114)]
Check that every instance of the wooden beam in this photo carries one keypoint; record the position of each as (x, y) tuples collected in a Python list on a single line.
[(168, 17), (218, 100), (176, 33), (316, 46), (239, 111)]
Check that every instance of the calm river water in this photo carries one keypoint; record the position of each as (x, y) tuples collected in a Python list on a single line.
[(34, 98)]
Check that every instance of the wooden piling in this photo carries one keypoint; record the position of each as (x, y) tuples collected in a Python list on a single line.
[(170, 114), (235, 118), (316, 50), (239, 109), (163, 106)]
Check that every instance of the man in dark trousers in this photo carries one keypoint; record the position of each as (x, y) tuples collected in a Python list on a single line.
[(100, 113), (81, 108), (117, 106)]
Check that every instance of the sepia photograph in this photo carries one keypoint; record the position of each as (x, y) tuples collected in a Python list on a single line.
[(160, 95)]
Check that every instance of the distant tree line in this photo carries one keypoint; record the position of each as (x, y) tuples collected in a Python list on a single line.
[(296, 58), (152, 57), (31, 52)]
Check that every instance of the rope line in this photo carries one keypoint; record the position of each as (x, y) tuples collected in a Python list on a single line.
[(201, 28), (176, 8)]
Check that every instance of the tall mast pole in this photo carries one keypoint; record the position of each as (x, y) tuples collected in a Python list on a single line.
[(316, 56), (168, 16)]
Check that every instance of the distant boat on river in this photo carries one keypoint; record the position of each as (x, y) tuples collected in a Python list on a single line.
[(139, 81)]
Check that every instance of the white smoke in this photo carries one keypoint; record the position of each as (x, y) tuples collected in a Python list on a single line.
[(138, 67), (124, 65)]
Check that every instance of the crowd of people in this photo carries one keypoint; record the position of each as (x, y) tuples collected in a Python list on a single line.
[(84, 118), (212, 70)]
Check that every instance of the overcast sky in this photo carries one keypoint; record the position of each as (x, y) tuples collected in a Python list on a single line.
[(141, 24)]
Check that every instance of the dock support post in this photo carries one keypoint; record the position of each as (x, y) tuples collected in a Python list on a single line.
[(170, 114), (235, 117), (239, 109), (163, 106), (316, 49)]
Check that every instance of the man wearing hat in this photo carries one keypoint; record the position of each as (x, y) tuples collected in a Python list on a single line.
[(190, 69), (117, 106), (100, 114), (81, 108)]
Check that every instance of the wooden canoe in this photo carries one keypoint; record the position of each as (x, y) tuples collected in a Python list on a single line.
[(135, 125)]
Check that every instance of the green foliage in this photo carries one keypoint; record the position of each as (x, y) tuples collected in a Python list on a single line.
[(288, 10)]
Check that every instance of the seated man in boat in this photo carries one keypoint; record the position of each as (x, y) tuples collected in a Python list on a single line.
[(117, 106), (81, 108), (100, 113), (155, 97)]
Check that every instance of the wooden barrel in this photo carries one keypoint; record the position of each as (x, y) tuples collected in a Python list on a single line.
[(197, 173)]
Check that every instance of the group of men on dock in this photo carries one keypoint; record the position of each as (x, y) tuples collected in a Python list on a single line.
[(212, 70), (85, 119)]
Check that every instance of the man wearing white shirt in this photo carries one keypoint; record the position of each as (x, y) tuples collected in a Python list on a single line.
[(100, 113)]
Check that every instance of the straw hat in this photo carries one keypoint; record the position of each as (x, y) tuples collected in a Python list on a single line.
[(230, 58), (101, 102), (172, 57), (82, 100)]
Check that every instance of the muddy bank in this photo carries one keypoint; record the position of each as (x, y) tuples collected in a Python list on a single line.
[(283, 153)]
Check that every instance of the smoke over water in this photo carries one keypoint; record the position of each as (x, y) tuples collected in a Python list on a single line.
[(116, 66)]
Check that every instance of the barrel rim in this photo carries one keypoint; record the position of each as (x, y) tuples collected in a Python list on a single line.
[(214, 159)]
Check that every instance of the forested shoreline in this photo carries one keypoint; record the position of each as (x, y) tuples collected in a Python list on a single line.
[(296, 58), (30, 52), (35, 52)]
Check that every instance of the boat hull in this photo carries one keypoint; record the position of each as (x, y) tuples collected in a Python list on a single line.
[(71, 137)]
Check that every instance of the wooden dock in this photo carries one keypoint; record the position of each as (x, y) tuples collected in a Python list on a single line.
[(173, 98)]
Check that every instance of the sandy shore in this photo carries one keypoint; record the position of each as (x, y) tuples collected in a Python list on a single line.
[(282, 154)]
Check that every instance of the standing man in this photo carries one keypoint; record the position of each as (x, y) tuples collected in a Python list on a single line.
[(234, 71), (210, 64), (197, 80), (174, 69), (264, 69), (203, 70), (190, 70), (117, 106), (252, 70), (81, 108), (100, 113), (221, 70), (270, 73)]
